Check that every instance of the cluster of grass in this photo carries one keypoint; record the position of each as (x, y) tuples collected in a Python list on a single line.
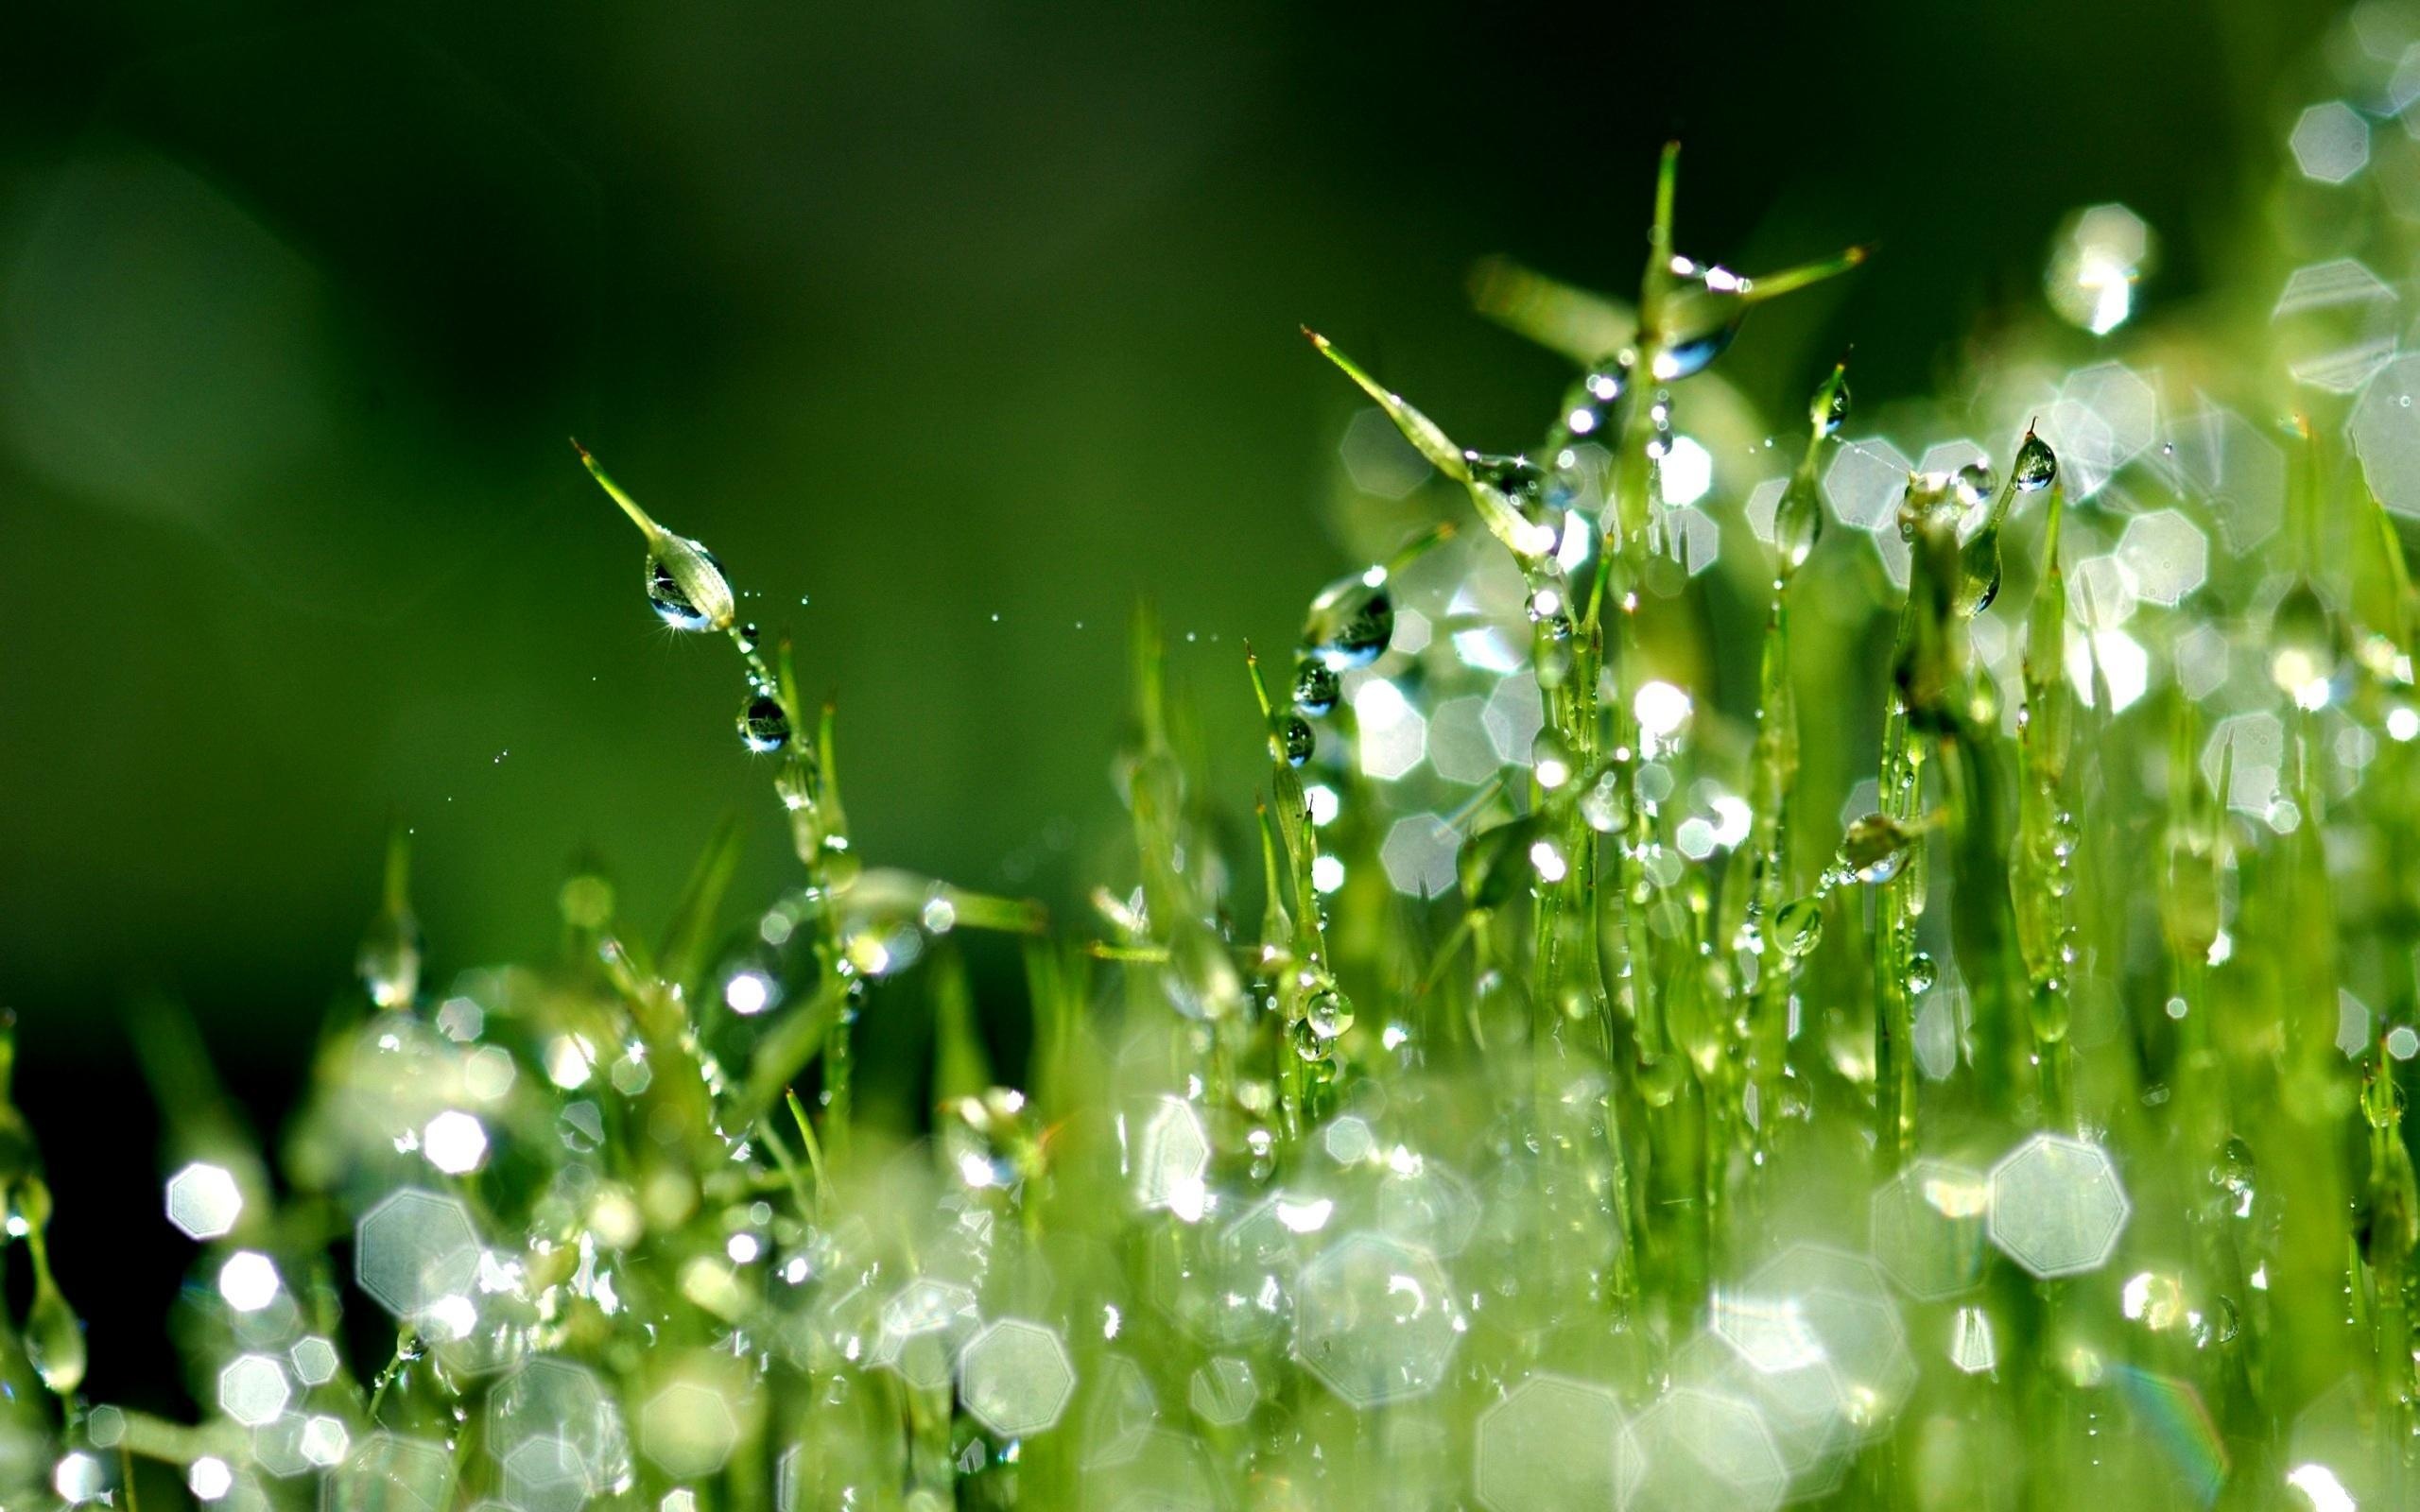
[(1712, 1008)]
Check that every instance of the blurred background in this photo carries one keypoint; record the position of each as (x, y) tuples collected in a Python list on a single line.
[(953, 328)]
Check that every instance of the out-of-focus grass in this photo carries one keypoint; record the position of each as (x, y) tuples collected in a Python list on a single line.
[(1838, 966)]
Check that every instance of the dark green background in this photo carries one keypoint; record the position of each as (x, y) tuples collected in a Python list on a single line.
[(927, 312)]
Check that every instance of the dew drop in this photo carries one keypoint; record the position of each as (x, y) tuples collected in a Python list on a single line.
[(687, 586), (1798, 522), (2036, 465), (1316, 687), (54, 1339), (1921, 973), (764, 728), (1873, 849), (1295, 739), (1975, 484), (1798, 927), (2304, 645), (1350, 622), (1329, 1013)]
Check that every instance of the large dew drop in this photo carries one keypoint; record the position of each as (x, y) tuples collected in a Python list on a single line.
[(686, 587), (1294, 739), (1317, 687), (763, 727), (2036, 465), (1350, 622)]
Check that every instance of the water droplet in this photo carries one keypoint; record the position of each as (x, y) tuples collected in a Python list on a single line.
[(1316, 687), (2236, 1175), (2305, 646), (1830, 410), (1295, 739), (1798, 927), (1329, 1013), (1921, 973), (1798, 522), (1978, 570), (764, 728), (1975, 484), (749, 637), (1873, 848), (1700, 318), (687, 586), (1350, 622), (1588, 407), (54, 1339), (2036, 465), (1550, 759), (1519, 480)]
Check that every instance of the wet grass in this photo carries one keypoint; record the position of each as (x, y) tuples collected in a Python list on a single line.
[(1563, 1083)]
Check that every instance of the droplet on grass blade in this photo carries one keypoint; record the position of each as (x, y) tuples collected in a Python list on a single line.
[(1798, 927), (764, 726), (1317, 687), (54, 1337), (1329, 1013), (1294, 739), (1350, 622), (685, 585), (2036, 466), (1873, 849)]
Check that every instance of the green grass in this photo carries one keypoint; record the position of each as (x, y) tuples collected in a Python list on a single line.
[(1560, 1085)]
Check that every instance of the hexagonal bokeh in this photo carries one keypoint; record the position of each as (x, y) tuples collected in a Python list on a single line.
[(2057, 1206), (1375, 1320), (1516, 710), (2386, 435), (1171, 1154), (1764, 501), (1419, 853), (1926, 1228), (1761, 1350), (2240, 471), (2106, 415), (388, 1474), (923, 1327), (204, 1201), (2167, 556), (1692, 538), (1224, 1391), (1865, 482), (558, 1402), (2337, 324), (688, 1430), (1697, 1451), (1840, 1301), (1014, 1377), (2251, 749), (1551, 1442), (1948, 457), (545, 1474), (1394, 737), (1154, 1470), (1458, 749), (1237, 1289), (2093, 266), (2331, 142), (413, 1249), (1420, 1203), (1972, 1348), (1378, 459), (253, 1391)]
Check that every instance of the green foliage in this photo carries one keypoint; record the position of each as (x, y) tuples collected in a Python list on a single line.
[(1613, 1100)]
